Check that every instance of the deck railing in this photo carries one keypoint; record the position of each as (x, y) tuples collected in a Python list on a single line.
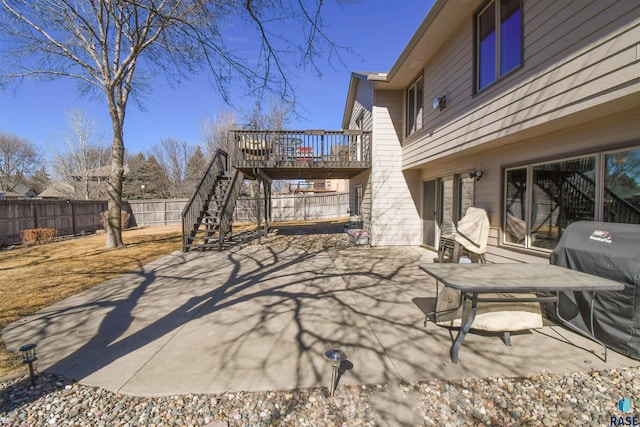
[(311, 148), (228, 206), (193, 210)]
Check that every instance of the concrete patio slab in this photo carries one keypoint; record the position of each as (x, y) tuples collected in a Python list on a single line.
[(259, 318)]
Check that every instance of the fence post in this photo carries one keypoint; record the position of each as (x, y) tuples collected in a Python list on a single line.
[(164, 212), (304, 205), (73, 217)]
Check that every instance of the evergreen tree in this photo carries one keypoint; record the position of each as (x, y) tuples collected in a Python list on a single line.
[(196, 166)]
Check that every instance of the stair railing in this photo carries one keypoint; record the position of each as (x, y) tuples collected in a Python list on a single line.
[(228, 206), (192, 213)]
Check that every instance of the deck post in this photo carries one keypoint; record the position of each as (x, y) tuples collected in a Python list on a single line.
[(266, 188), (258, 179)]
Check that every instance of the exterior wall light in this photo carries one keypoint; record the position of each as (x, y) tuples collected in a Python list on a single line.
[(335, 356), (476, 175), (440, 103), (28, 357)]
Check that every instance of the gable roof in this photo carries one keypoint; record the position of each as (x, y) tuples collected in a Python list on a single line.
[(57, 190), (356, 77)]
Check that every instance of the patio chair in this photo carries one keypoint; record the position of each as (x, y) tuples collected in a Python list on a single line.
[(254, 148), (469, 237)]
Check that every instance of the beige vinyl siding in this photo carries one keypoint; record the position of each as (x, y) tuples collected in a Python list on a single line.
[(607, 133), (578, 55), (395, 219), (363, 179), (363, 104)]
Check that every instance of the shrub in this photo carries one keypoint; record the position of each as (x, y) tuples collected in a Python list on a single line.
[(124, 218), (37, 236)]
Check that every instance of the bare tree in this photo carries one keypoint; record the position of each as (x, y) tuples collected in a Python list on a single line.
[(275, 118), (115, 47), (82, 161), (215, 131), (18, 158), (173, 155)]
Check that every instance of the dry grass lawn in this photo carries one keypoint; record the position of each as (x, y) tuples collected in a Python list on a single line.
[(38, 276)]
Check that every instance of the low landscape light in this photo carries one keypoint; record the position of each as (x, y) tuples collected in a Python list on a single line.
[(28, 357), (335, 356)]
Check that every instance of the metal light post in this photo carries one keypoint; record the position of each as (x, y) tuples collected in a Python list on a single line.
[(335, 356), (28, 357)]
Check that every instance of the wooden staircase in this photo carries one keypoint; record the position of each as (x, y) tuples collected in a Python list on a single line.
[(207, 217)]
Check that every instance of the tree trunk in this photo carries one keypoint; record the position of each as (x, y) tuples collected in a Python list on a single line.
[(114, 185)]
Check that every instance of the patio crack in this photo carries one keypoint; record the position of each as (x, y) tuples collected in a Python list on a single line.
[(362, 314)]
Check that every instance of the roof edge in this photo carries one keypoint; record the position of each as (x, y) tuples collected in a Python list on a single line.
[(419, 33)]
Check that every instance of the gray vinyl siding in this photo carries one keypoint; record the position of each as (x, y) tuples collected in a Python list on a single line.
[(395, 219), (577, 55)]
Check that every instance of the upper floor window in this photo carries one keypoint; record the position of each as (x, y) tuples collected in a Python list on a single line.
[(498, 40), (415, 104)]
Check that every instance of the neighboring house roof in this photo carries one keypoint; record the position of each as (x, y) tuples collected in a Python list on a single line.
[(23, 190), (4, 195), (57, 190), (99, 173)]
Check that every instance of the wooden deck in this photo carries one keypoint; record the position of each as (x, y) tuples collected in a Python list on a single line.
[(311, 154)]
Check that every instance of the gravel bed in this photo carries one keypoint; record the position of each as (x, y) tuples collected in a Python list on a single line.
[(578, 398)]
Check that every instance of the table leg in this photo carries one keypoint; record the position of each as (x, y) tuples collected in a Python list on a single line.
[(574, 328), (464, 328)]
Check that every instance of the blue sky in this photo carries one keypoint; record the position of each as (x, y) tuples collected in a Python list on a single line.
[(377, 30)]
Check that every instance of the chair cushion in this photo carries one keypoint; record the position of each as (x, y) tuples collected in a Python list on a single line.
[(491, 316)]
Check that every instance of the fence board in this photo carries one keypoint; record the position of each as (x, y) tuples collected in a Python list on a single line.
[(296, 207), (68, 217), (81, 216)]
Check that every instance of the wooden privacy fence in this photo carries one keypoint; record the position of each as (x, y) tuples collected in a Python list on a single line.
[(155, 212), (72, 217), (67, 217), (296, 207)]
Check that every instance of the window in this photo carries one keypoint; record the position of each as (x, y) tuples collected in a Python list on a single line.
[(622, 187), (498, 41), (358, 201), (541, 200), (456, 195), (415, 104), (359, 126)]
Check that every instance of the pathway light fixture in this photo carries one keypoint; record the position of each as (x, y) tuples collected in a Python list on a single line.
[(335, 356), (28, 357)]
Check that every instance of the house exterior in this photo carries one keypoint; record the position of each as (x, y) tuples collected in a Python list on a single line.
[(528, 109), (19, 191)]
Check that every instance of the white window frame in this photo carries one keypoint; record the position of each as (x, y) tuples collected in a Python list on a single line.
[(414, 121)]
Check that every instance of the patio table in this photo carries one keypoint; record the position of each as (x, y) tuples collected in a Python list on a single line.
[(473, 280)]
